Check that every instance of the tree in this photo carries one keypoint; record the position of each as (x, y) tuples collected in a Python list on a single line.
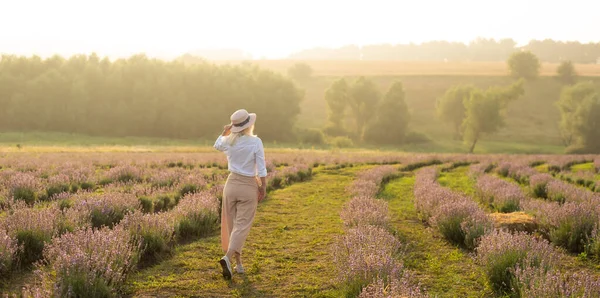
[(337, 97), (587, 124), (300, 71), (485, 111), (363, 100), (524, 65), (451, 108), (571, 99), (566, 72), (392, 118)]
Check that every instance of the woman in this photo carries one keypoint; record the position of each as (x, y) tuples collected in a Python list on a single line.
[(242, 192)]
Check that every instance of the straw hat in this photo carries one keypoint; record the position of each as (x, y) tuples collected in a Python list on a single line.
[(241, 120)]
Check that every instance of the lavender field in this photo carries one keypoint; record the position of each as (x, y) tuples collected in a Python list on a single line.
[(352, 224)]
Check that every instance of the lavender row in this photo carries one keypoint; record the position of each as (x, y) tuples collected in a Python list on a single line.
[(98, 260), (521, 265), (458, 218), (367, 254), (156, 233), (545, 186), (500, 194), (364, 208), (516, 264)]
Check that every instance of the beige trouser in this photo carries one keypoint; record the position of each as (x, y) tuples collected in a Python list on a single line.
[(240, 198)]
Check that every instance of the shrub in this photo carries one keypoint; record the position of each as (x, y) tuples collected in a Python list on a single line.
[(461, 222), (571, 225), (311, 136), (402, 286), (364, 253), (502, 195), (539, 184), (502, 252), (107, 209), (91, 261), (147, 204), (23, 186), (8, 252), (32, 229), (342, 142), (188, 189), (413, 137), (125, 174), (58, 184), (156, 232), (531, 282), (365, 211), (197, 215)]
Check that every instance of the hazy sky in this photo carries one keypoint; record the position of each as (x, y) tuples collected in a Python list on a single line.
[(275, 28)]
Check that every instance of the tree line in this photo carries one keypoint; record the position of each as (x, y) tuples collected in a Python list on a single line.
[(480, 49), (139, 96)]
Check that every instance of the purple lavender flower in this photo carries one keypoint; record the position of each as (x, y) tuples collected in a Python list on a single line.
[(503, 195), (8, 252), (535, 282), (402, 286), (364, 208), (364, 253), (97, 260), (500, 252), (365, 211)]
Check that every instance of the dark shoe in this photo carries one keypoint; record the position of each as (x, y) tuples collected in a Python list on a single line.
[(226, 265)]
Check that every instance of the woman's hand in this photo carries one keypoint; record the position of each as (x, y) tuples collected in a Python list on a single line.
[(226, 130), (262, 193)]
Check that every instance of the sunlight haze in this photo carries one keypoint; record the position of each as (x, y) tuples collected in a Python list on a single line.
[(275, 29)]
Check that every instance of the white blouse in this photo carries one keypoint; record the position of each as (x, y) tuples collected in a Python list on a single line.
[(246, 157)]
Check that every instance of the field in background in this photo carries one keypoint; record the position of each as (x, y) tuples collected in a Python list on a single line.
[(61, 142), (532, 119), (396, 68)]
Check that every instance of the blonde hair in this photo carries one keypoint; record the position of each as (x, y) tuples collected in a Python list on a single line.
[(232, 138)]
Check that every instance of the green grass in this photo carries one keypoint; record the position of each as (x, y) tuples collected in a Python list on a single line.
[(286, 254), (443, 269), (458, 180), (64, 142), (583, 167)]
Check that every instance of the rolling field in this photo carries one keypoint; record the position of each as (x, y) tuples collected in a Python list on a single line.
[(349, 224), (409, 68)]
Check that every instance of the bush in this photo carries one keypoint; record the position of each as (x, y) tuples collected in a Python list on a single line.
[(414, 137), (8, 253), (461, 222), (312, 136), (196, 224), (156, 232), (53, 190), (197, 215), (501, 252), (147, 204), (188, 189), (32, 243), (571, 225), (342, 142), (107, 209), (32, 228), (364, 253), (90, 263)]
